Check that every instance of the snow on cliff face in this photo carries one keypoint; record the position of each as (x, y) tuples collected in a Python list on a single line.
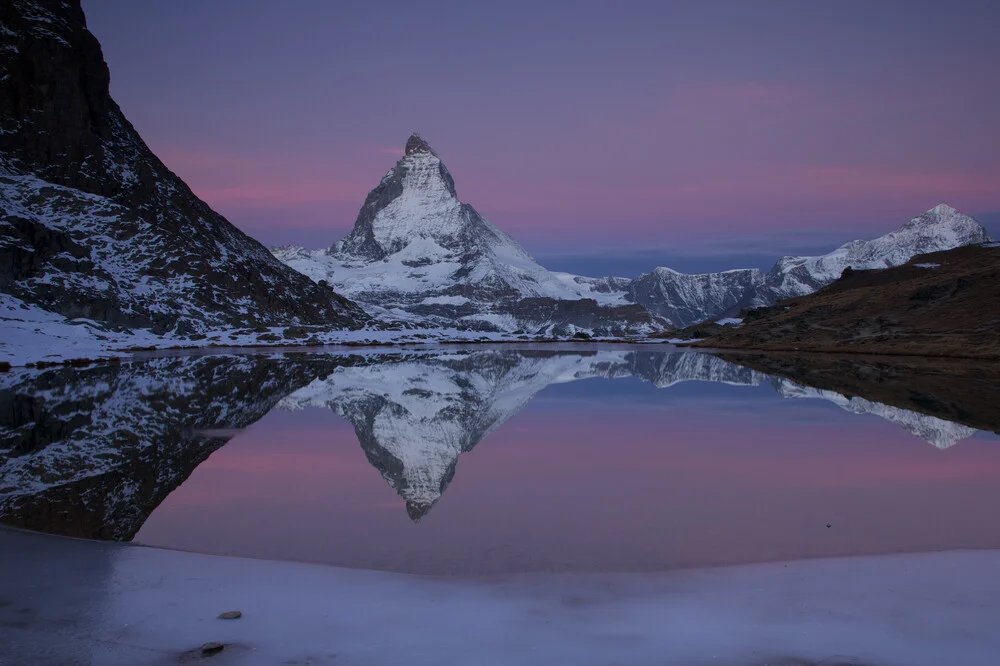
[(93, 224), (940, 228), (689, 299), (417, 249), (418, 253), (684, 299)]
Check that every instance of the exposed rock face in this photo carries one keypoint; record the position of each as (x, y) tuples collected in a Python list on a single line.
[(417, 251), (91, 452), (93, 225), (684, 299)]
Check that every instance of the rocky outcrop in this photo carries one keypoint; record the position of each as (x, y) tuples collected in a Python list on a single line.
[(93, 225)]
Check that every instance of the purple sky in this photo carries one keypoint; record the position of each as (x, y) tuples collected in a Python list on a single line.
[(606, 137)]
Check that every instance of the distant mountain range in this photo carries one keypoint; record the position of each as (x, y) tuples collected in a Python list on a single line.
[(419, 254)]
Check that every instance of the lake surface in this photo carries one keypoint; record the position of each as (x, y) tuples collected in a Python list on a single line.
[(488, 461)]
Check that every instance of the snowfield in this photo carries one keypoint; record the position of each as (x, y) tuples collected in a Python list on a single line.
[(123, 605)]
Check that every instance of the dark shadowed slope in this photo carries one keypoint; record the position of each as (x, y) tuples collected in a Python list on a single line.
[(93, 225)]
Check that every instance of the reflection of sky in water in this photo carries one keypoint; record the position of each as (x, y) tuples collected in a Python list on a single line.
[(598, 475)]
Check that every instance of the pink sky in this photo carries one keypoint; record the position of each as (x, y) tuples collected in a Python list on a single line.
[(635, 125)]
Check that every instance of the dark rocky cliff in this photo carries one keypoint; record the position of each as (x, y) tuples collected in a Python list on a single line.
[(93, 224)]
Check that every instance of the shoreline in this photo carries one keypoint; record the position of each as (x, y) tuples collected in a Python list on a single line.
[(124, 604)]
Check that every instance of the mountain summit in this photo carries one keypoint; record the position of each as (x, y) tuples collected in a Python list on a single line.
[(419, 252), (416, 144)]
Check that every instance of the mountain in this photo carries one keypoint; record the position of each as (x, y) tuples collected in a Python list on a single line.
[(417, 252), (93, 226), (940, 228), (685, 300), (937, 304)]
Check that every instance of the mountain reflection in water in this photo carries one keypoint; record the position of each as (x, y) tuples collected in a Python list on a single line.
[(93, 451)]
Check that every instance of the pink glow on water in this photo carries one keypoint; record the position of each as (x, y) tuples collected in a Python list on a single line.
[(605, 488)]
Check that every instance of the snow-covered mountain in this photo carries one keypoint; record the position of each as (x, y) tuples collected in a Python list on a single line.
[(94, 226), (940, 228), (416, 252), (684, 299)]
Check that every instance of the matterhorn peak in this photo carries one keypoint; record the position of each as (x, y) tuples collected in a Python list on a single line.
[(940, 209), (417, 144)]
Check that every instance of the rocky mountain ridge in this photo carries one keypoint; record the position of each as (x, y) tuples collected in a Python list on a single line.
[(93, 226), (417, 253)]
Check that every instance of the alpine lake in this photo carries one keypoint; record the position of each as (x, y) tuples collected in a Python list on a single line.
[(506, 459)]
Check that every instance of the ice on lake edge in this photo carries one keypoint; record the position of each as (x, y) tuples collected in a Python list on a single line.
[(98, 603)]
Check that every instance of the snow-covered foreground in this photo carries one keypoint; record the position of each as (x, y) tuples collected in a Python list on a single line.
[(30, 334), (79, 602)]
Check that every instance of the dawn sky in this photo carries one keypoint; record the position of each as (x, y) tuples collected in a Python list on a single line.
[(605, 137)]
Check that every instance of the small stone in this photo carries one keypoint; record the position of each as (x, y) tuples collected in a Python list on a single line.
[(212, 648), (230, 615)]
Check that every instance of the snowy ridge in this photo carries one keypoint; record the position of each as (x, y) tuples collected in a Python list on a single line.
[(940, 228), (684, 299), (418, 254), (94, 226), (416, 248)]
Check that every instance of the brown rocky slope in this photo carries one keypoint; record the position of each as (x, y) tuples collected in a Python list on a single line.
[(938, 304)]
